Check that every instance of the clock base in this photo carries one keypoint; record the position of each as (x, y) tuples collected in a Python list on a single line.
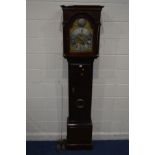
[(79, 135)]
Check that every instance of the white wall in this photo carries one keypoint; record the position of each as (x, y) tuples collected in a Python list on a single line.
[(47, 71)]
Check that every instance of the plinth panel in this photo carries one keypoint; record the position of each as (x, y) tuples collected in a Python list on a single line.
[(79, 135)]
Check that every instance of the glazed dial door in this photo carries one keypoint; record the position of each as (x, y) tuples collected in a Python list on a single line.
[(81, 36)]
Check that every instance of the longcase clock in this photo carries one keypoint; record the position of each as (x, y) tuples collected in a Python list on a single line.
[(81, 31)]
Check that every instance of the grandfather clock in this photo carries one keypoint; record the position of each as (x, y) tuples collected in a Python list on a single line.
[(81, 31)]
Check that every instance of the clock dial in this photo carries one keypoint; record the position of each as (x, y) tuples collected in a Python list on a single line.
[(81, 36)]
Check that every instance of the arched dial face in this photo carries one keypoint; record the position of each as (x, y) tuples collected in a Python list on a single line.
[(81, 36)]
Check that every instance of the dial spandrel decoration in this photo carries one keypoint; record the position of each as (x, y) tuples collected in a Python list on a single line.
[(81, 36)]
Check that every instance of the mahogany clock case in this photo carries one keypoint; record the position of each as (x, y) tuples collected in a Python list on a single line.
[(81, 31)]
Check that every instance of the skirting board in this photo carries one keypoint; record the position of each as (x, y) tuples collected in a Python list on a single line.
[(96, 136)]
